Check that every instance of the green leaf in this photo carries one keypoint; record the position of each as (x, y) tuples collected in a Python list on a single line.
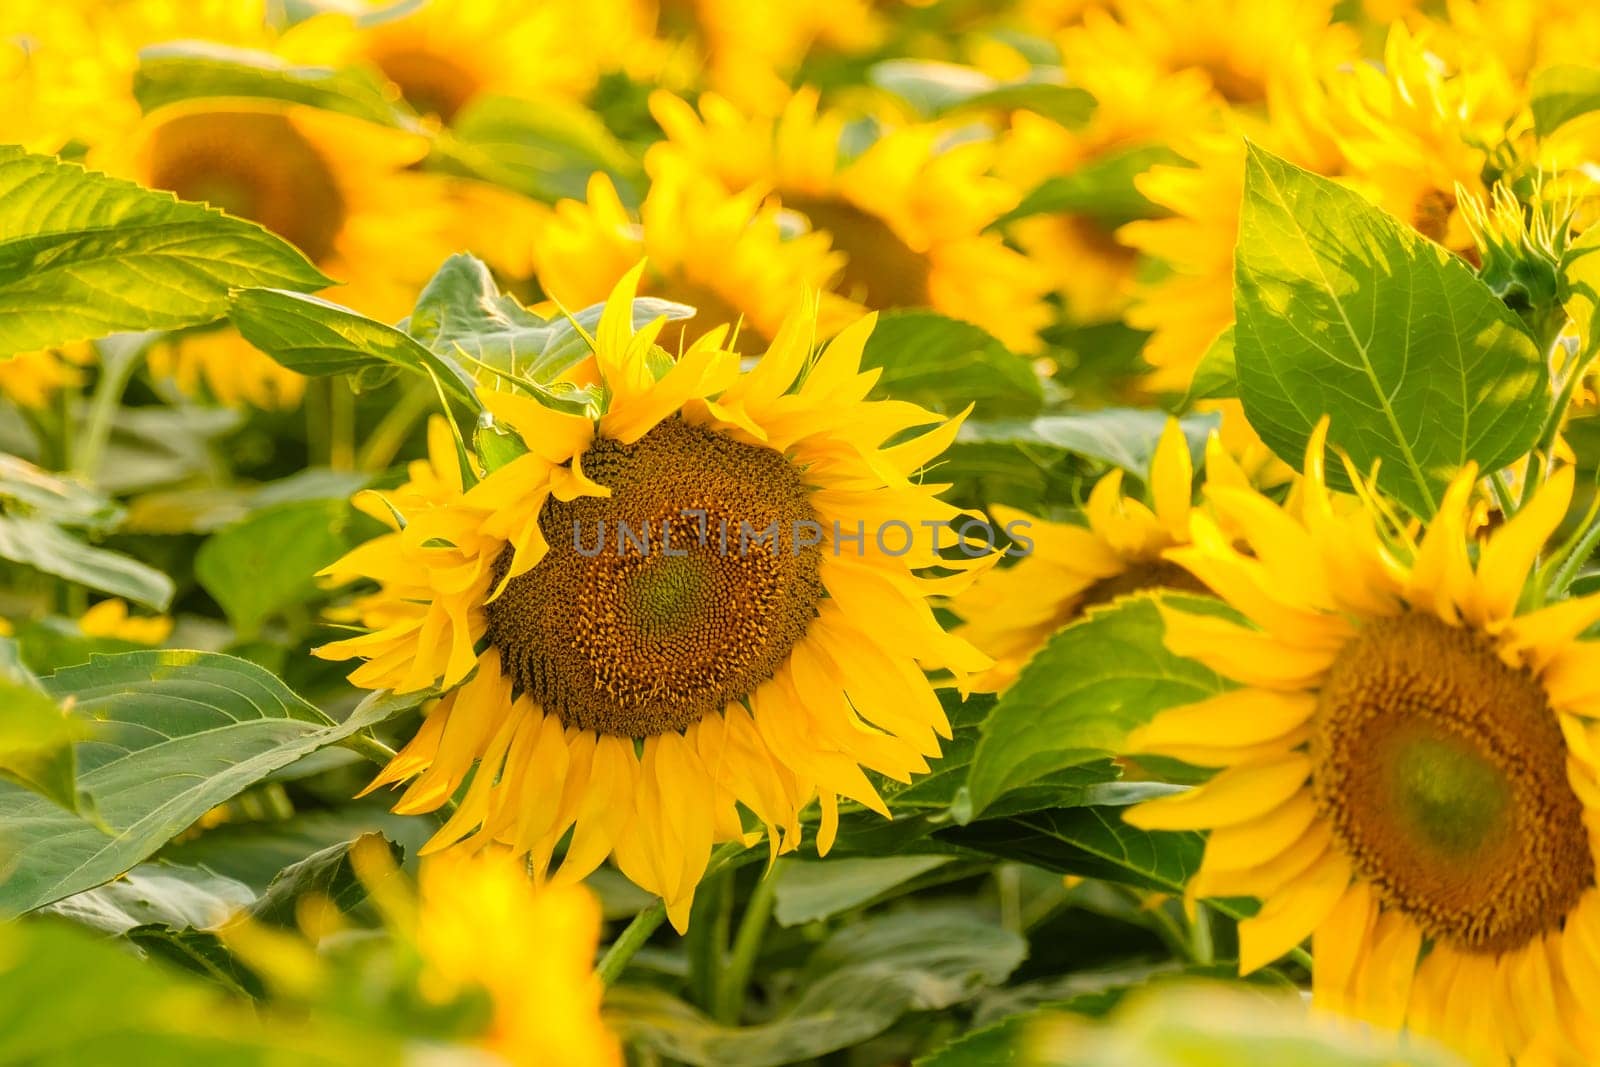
[(315, 337), (934, 88), (36, 739), (173, 734), (257, 853), (808, 891), (1122, 437), (327, 874), (856, 985), (1557, 95), (1343, 311), (157, 894), (463, 316), (1091, 841), (49, 548), (186, 70), (60, 499), (545, 148), (998, 1045), (947, 364), (1206, 1024), (83, 255), (207, 510), (1079, 696), (268, 562), (68, 997), (1102, 189)]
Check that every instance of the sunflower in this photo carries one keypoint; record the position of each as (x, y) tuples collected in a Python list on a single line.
[(336, 187), (473, 923), (726, 256), (1241, 46), (1408, 771), (1404, 137), (444, 54), (1009, 614), (752, 48), (110, 618), (909, 213), (32, 379), (662, 614)]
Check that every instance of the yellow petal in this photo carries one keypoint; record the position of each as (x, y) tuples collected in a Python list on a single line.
[(1172, 481), (1512, 550), (1236, 795), (1239, 717), (1293, 913)]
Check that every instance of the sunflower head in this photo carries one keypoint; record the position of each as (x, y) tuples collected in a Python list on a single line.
[(1068, 568), (712, 596), (1407, 769)]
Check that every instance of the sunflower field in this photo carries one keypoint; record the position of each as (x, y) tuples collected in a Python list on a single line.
[(952, 533)]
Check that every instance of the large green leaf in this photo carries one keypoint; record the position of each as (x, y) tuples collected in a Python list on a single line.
[(186, 70), (51, 549), (172, 734), (1078, 697), (1343, 311), (313, 336), (268, 561), (947, 364), (1557, 95), (855, 986), (83, 255)]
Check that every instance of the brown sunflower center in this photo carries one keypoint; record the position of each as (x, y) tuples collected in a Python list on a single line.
[(1431, 215), (1443, 773), (256, 166), (882, 270), (675, 596), (712, 309), (1139, 577), (431, 82)]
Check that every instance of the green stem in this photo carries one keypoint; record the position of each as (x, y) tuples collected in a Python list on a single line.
[(1540, 458), (389, 436), (1579, 554), (637, 932), (630, 941), (115, 373), (1201, 949), (735, 977), (366, 745), (707, 939), (341, 425)]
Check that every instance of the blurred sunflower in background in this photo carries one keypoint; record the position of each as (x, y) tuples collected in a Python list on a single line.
[(909, 212), (728, 257), (472, 926), (1408, 771), (338, 188), (638, 698), (1121, 550)]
